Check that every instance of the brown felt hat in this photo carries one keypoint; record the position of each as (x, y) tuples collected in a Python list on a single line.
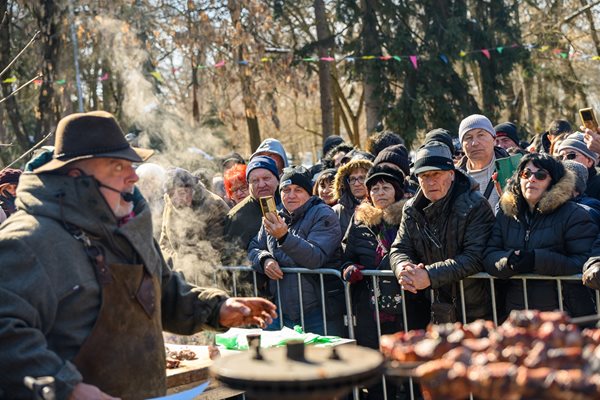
[(94, 134)]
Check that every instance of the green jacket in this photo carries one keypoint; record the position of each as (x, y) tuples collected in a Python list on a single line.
[(49, 296)]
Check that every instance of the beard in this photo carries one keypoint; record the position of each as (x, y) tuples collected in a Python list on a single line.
[(123, 208)]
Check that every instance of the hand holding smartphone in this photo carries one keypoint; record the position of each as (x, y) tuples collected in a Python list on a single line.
[(267, 205), (588, 118), (590, 123)]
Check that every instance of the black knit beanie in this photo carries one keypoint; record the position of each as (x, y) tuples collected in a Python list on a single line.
[(397, 155), (297, 175)]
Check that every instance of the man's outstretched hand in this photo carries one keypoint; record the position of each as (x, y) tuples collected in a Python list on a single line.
[(240, 311)]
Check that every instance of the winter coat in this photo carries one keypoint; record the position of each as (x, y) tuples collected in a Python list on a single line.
[(449, 237), (360, 247), (313, 241), (243, 222), (191, 236), (591, 205), (593, 183), (560, 233), (341, 187), (49, 294)]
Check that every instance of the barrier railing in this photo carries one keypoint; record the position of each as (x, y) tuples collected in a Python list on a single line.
[(375, 275)]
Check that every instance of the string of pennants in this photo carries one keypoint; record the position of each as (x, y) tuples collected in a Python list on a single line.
[(413, 58)]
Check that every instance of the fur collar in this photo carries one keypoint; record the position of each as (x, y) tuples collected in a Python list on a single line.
[(558, 195), (339, 183), (371, 216)]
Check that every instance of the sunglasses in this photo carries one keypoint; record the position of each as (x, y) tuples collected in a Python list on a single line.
[(540, 175), (568, 156)]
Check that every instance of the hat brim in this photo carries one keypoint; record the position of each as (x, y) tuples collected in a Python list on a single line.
[(383, 175), (426, 168), (133, 154)]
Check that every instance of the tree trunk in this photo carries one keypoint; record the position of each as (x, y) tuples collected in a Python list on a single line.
[(48, 21), (12, 106), (325, 41), (372, 77), (248, 92)]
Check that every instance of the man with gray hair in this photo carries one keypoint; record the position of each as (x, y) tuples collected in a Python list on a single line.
[(477, 136), (442, 236)]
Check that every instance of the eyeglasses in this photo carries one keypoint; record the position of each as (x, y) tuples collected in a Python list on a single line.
[(568, 156), (540, 175), (357, 179)]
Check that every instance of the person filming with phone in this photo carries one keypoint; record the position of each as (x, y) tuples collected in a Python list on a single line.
[(305, 234)]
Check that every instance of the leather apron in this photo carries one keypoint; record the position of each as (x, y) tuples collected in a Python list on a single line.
[(124, 354)]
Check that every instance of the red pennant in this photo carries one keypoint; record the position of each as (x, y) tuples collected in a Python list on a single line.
[(220, 64), (486, 53)]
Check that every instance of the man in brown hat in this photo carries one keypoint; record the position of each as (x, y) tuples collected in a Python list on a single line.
[(84, 291)]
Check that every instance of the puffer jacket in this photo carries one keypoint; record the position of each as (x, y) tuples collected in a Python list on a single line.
[(561, 234), (346, 201), (313, 241), (49, 294), (360, 247), (449, 237), (593, 183)]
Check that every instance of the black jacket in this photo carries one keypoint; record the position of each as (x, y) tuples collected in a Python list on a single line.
[(449, 237), (560, 233), (593, 183)]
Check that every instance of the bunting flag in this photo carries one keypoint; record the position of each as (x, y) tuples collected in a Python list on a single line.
[(413, 60), (157, 76)]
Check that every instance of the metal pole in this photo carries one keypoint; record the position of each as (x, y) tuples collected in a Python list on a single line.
[(76, 57)]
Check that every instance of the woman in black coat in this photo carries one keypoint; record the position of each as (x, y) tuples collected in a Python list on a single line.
[(538, 230), (367, 243)]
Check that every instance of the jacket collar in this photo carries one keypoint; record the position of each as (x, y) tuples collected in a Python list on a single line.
[(558, 195), (370, 215), (291, 218)]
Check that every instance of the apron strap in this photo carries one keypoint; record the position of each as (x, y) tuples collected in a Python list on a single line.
[(94, 252)]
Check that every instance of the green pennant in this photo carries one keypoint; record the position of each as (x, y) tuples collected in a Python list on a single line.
[(499, 49), (61, 82), (397, 58)]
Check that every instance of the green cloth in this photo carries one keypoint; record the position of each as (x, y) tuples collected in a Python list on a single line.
[(235, 338)]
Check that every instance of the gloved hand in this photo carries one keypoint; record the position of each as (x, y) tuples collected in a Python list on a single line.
[(522, 261), (591, 277), (352, 273)]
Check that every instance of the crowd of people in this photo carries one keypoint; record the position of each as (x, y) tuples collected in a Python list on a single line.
[(433, 219)]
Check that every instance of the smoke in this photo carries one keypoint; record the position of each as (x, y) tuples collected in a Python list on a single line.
[(161, 121), (181, 143)]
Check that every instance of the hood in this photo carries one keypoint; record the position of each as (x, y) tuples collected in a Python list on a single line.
[(271, 145), (340, 184), (372, 216), (558, 195)]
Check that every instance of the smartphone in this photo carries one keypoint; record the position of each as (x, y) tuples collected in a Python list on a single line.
[(506, 167), (267, 205), (588, 118)]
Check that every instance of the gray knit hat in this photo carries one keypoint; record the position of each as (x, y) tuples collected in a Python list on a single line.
[(475, 121), (434, 156), (580, 172), (575, 141)]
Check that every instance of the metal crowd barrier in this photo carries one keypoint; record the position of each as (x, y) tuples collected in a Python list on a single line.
[(375, 275)]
